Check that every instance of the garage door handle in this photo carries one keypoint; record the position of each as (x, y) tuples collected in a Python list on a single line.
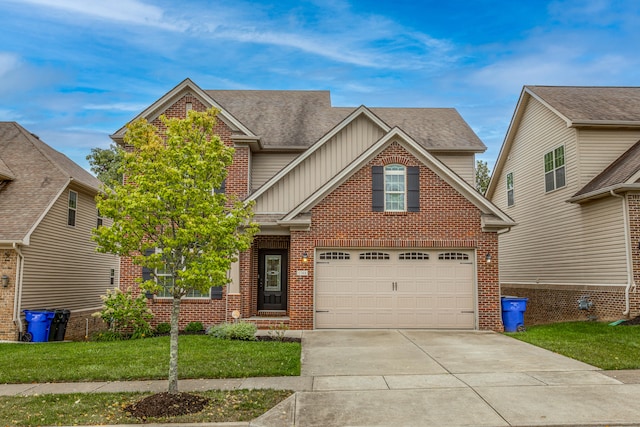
[(467, 311), (322, 311)]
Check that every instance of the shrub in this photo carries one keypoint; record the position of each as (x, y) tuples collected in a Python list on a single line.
[(278, 332), (126, 314), (244, 331), (163, 328), (194, 327)]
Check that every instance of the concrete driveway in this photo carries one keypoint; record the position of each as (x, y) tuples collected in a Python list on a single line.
[(452, 378)]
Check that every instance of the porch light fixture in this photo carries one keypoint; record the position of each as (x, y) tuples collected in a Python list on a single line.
[(5, 281), (488, 258), (305, 257)]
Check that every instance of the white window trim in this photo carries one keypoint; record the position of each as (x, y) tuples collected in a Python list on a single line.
[(157, 275), (553, 171), (510, 188), (74, 208), (387, 172)]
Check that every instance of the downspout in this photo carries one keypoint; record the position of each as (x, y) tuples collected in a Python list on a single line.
[(627, 243), (17, 299)]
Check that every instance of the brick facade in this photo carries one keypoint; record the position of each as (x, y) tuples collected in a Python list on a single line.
[(550, 304), (343, 219), (8, 267)]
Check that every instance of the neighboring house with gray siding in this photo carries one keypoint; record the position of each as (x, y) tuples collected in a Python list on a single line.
[(47, 213), (569, 174)]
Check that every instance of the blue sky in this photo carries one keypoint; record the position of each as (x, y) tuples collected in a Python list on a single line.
[(75, 71)]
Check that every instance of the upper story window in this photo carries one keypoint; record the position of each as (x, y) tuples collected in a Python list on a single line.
[(395, 188), (554, 169), (510, 199), (73, 207), (100, 220)]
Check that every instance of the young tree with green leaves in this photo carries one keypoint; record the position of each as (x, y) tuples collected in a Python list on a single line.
[(106, 164), (167, 216), (483, 176)]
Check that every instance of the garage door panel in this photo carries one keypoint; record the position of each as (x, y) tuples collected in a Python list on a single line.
[(415, 290)]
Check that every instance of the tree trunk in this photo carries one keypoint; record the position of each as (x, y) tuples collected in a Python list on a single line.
[(173, 352)]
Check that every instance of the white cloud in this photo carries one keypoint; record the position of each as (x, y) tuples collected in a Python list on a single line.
[(8, 63), (117, 106), (127, 11)]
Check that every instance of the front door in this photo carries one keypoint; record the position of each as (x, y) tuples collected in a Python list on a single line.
[(272, 279)]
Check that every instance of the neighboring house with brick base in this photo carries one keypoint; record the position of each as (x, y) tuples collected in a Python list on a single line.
[(569, 175), (368, 216), (47, 257)]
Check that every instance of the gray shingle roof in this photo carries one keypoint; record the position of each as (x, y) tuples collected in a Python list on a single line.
[(5, 172), (432, 128), (585, 103), (39, 174), (297, 119), (618, 172)]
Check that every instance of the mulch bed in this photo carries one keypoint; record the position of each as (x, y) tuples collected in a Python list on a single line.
[(632, 322), (167, 405)]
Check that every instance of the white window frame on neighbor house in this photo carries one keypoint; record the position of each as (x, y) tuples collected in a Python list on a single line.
[(99, 220), (555, 175), (395, 188), (510, 193), (72, 213)]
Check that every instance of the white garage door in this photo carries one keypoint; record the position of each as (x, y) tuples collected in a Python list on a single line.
[(380, 288)]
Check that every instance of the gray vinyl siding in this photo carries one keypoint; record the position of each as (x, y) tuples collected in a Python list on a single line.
[(462, 164), (319, 167), (265, 165), (61, 267), (599, 148), (555, 242)]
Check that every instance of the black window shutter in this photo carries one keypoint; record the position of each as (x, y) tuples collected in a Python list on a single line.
[(146, 272), (222, 189), (377, 188), (413, 189)]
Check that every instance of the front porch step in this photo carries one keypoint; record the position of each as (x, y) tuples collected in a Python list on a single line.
[(272, 313), (269, 322)]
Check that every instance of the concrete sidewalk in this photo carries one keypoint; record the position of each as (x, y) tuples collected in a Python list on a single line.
[(421, 378)]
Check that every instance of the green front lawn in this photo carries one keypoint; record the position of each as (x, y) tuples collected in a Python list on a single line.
[(200, 356), (598, 344)]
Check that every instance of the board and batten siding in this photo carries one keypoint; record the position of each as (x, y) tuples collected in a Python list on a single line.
[(266, 165), (61, 268), (463, 164), (555, 242), (307, 177), (598, 148)]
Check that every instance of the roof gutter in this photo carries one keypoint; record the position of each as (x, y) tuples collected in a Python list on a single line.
[(603, 192), (627, 242), (17, 296), (604, 123)]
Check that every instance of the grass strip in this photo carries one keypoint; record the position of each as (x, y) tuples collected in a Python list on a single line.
[(107, 408), (595, 343), (200, 356)]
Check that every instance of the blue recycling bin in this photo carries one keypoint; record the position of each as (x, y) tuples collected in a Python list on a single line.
[(513, 309), (39, 324)]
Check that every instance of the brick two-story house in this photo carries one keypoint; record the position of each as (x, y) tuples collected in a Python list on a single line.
[(368, 216)]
